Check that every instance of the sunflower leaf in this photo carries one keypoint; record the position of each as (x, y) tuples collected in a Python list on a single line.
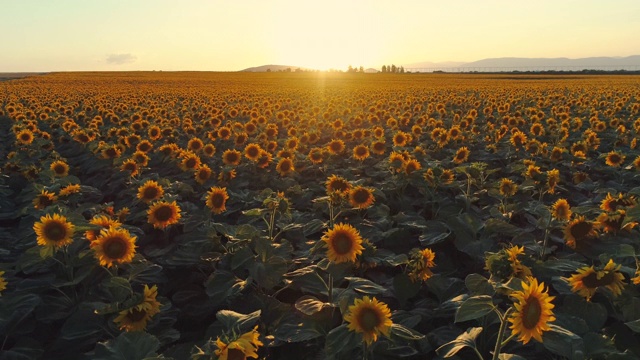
[(466, 339), (310, 305), (400, 331), (474, 307)]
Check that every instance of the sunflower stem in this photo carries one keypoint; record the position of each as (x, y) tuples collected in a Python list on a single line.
[(506, 341), (330, 289), (546, 238), (503, 327)]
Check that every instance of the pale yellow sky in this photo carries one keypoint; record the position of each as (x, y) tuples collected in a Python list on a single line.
[(70, 35)]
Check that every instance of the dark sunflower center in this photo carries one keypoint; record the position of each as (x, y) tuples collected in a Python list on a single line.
[(378, 146), (361, 151), (111, 152), (150, 193), (115, 247), (25, 137), (369, 319), (339, 185), (614, 158), (581, 230), (461, 155), (163, 213), (44, 200), (531, 313), (232, 157), (130, 166), (145, 147), (335, 146), (190, 163), (592, 281), (136, 315), (342, 243), (55, 231), (285, 166), (411, 167), (235, 354), (203, 174), (361, 196), (316, 156), (400, 139), (217, 200), (59, 169), (252, 152)]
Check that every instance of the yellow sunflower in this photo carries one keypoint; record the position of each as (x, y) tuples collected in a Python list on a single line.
[(461, 155), (361, 197), (130, 166), (216, 199), (611, 203), (360, 152), (411, 166), (421, 264), (231, 157), (315, 155), (553, 177), (241, 348), (285, 167), (337, 183), (162, 214), (579, 230), (252, 151), (344, 243), (44, 199), (54, 231), (507, 187), (369, 317), (59, 168), (150, 191), (104, 222), (264, 160), (3, 282), (137, 317), (378, 147), (69, 189), (533, 311), (190, 161), (335, 147), (614, 159), (446, 177), (25, 137), (114, 246), (588, 280), (561, 210)]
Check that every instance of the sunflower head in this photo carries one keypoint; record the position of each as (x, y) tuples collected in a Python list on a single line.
[(344, 243), (44, 199), (162, 214), (614, 159), (361, 197), (507, 187), (102, 222), (3, 282), (231, 157), (216, 199), (136, 317), (578, 231), (54, 231), (239, 347), (411, 165), (150, 191), (561, 210), (370, 318), (533, 311), (612, 203), (285, 167), (335, 147), (588, 280), (59, 168), (114, 246), (421, 263), (338, 184), (360, 152), (461, 155)]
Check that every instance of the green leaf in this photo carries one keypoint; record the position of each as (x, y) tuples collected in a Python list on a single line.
[(634, 325), (118, 287), (466, 339), (15, 308), (563, 342), (340, 340), (293, 333), (478, 285), (594, 314), (133, 345), (233, 320), (223, 286), (503, 356), (400, 331), (436, 232), (404, 288), (313, 227), (310, 305), (474, 307), (365, 286), (47, 251)]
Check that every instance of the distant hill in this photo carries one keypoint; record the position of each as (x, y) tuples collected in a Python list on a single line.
[(371, 71), (266, 68), (535, 64)]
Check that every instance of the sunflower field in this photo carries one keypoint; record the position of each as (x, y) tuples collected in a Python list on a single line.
[(154, 215)]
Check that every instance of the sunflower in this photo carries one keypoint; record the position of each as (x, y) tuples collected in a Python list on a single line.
[(3, 282), (209, 150), (561, 210), (553, 177), (114, 246), (264, 160), (369, 317), (421, 263), (111, 152), (25, 137), (136, 317), (429, 177), (614, 159), (533, 311), (556, 154), (195, 144), (401, 138), (190, 161), (361, 197), (611, 203), (144, 146), (461, 155), (344, 243), (579, 230), (518, 139), (202, 174), (285, 167), (150, 191), (162, 214), (360, 152), (140, 158), (587, 281), (69, 190), (378, 147), (252, 151), (335, 147), (337, 183), (611, 222), (396, 161), (130, 166), (446, 177), (315, 155), (231, 157), (216, 199), (59, 168), (44, 199), (104, 222), (243, 347), (54, 231), (411, 166), (507, 187)]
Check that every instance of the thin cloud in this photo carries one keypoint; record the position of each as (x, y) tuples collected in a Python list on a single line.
[(121, 59)]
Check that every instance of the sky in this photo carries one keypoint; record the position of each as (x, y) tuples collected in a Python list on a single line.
[(230, 35)]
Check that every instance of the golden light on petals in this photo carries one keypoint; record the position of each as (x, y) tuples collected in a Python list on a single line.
[(114, 246), (216, 199), (369, 317), (561, 210), (533, 311), (150, 191), (137, 317), (588, 280), (361, 197), (54, 231), (343, 242), (163, 214)]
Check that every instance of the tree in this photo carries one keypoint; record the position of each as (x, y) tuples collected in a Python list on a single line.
[(361, 69), (350, 69), (401, 69), (394, 69), (384, 68)]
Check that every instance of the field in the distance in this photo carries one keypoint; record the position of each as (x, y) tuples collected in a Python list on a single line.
[(226, 215)]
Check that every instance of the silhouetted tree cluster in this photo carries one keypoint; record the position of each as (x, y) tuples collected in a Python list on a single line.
[(352, 69), (392, 69)]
